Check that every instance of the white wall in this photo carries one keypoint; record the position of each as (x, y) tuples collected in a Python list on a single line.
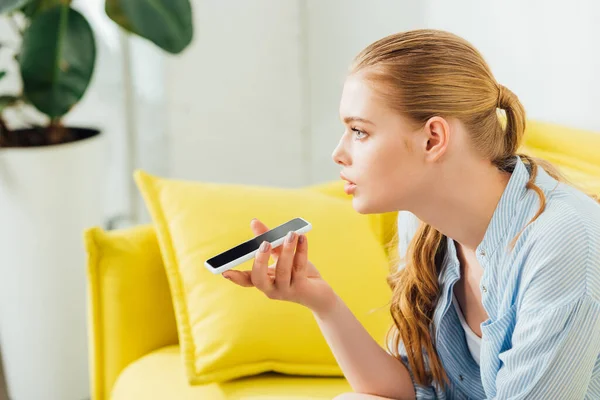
[(103, 105), (255, 99), (126, 100), (337, 31), (542, 50), (235, 96), (546, 51)]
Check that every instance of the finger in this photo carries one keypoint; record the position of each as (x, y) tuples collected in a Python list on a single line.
[(259, 275), (283, 272), (258, 228), (241, 278), (301, 257)]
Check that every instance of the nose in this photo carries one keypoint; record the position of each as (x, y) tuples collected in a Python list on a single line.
[(340, 156)]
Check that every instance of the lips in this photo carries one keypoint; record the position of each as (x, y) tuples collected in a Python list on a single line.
[(350, 186), (346, 179)]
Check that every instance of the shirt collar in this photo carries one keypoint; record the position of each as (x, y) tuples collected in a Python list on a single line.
[(505, 211)]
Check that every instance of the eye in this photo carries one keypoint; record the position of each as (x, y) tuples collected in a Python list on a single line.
[(359, 133)]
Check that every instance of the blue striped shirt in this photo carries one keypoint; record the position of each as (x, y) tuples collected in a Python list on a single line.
[(542, 338)]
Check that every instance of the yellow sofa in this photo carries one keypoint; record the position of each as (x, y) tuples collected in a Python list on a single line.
[(134, 352)]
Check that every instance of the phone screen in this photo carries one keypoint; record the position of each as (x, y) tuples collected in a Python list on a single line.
[(253, 244)]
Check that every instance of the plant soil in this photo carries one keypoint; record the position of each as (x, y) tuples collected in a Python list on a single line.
[(44, 136)]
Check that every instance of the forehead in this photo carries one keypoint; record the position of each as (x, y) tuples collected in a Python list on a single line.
[(359, 99)]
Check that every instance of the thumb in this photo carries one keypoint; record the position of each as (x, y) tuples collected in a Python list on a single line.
[(241, 278), (258, 227)]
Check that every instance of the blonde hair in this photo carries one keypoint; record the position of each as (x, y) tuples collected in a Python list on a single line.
[(429, 73)]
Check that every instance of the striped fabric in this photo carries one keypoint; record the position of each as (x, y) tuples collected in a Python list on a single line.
[(542, 340)]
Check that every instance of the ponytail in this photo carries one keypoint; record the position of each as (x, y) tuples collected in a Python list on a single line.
[(515, 121)]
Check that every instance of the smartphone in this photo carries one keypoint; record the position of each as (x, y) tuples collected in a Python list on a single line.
[(247, 250)]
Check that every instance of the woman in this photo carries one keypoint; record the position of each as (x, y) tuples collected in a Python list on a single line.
[(498, 293)]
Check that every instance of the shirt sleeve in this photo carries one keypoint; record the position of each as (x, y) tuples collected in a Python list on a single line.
[(429, 392), (553, 353)]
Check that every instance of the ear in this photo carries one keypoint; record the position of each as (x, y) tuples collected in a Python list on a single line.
[(437, 136)]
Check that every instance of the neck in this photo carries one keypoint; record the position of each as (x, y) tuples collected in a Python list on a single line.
[(463, 202)]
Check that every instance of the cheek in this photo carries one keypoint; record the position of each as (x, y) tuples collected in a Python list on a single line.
[(391, 180), (374, 162), (379, 183), (385, 169)]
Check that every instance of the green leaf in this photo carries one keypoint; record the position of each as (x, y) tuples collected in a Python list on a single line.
[(30, 9), (166, 23), (7, 101), (57, 60), (2, 74), (7, 6)]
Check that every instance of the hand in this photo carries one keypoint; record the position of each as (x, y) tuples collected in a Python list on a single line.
[(292, 277)]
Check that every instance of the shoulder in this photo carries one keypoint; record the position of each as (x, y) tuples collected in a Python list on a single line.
[(560, 251)]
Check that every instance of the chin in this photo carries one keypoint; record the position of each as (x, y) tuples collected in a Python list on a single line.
[(363, 207)]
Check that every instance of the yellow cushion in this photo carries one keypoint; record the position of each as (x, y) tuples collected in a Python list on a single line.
[(226, 331), (160, 376), (130, 308)]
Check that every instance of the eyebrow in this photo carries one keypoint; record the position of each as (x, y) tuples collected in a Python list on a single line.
[(358, 119)]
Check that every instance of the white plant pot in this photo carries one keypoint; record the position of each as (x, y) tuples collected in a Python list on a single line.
[(48, 196)]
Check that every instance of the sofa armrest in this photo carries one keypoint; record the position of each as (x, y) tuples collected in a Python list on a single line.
[(130, 312)]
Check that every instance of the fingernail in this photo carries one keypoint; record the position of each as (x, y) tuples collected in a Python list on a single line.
[(226, 276), (264, 247), (290, 236), (301, 239)]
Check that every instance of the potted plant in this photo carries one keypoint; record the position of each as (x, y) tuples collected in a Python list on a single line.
[(51, 180)]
